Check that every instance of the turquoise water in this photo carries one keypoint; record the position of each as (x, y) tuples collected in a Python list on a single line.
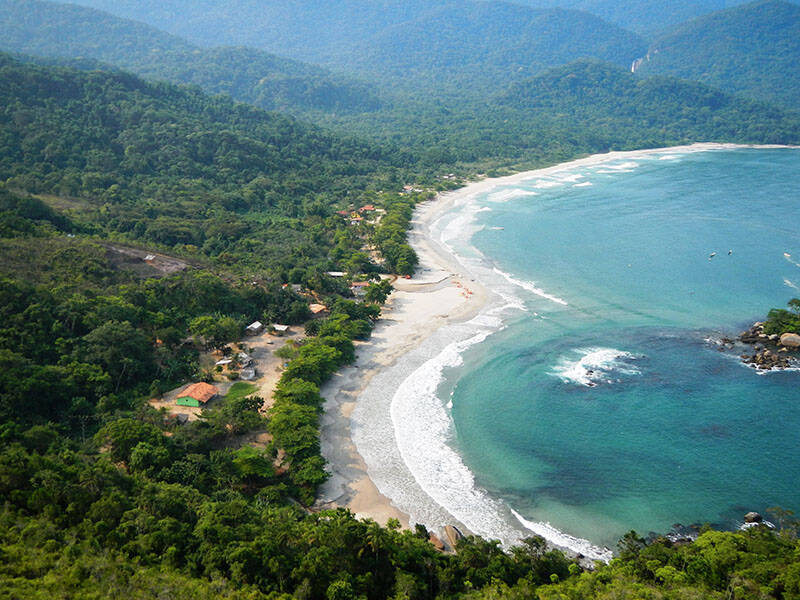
[(609, 407)]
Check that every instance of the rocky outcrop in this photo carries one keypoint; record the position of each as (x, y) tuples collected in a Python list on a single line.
[(753, 517), (790, 340), (452, 535), (770, 351)]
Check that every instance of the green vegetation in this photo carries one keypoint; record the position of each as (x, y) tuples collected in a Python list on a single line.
[(626, 112), (51, 29), (750, 50), (102, 495), (780, 320)]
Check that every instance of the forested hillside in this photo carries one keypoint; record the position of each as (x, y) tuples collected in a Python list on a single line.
[(172, 166), (480, 46), (626, 112), (751, 50), (466, 43), (44, 28), (643, 16)]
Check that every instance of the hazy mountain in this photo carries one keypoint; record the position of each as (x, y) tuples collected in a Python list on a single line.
[(611, 103), (642, 16), (459, 41), (486, 44), (51, 29), (302, 29), (753, 50)]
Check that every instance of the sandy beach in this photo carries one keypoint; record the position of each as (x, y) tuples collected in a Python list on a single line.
[(439, 294), (442, 293)]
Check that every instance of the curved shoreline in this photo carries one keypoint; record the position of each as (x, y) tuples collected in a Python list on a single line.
[(419, 309)]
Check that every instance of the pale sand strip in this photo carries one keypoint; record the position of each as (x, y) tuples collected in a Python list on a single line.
[(438, 295), (417, 308)]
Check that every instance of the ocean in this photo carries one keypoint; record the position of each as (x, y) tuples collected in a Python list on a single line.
[(591, 396)]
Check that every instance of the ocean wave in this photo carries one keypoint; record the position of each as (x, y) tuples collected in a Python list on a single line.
[(543, 184), (790, 284), (530, 287), (505, 195), (559, 538), (584, 184), (423, 427), (595, 366)]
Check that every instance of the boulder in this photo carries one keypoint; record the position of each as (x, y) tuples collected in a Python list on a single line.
[(437, 543), (790, 340), (753, 517), (452, 535)]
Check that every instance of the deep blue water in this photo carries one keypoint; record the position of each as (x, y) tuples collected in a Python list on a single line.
[(655, 426)]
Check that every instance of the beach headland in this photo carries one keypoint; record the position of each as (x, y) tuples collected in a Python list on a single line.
[(372, 406)]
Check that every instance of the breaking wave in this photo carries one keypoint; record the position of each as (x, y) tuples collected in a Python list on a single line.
[(595, 366)]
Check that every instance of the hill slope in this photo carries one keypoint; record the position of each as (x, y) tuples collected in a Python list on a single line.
[(418, 40), (751, 50), (51, 29), (483, 44), (642, 16), (170, 165), (609, 103)]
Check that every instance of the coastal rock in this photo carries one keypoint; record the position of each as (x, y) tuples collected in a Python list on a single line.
[(790, 340), (753, 517), (452, 535), (437, 543)]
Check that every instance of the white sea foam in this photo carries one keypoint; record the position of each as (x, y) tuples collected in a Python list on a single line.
[(594, 366), (543, 184), (423, 427), (484, 209), (584, 184), (624, 167), (527, 285), (559, 538), (571, 177), (790, 284), (512, 194), (669, 157)]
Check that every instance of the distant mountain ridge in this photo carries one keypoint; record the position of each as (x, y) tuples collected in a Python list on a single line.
[(627, 111), (641, 16), (490, 43), (398, 38), (753, 50), (44, 28)]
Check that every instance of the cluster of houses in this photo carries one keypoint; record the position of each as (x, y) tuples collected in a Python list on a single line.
[(357, 216)]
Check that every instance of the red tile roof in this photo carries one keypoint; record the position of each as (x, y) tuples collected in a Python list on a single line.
[(202, 392)]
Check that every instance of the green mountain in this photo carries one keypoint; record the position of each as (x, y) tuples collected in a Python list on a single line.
[(467, 43), (751, 50), (480, 44), (642, 16), (302, 29), (45, 28), (172, 166), (625, 111)]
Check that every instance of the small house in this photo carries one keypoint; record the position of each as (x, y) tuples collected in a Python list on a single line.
[(359, 288), (197, 394), (247, 374), (317, 309), (280, 329), (223, 363), (335, 273), (254, 328)]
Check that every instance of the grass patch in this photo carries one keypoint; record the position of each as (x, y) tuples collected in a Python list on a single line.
[(240, 389)]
